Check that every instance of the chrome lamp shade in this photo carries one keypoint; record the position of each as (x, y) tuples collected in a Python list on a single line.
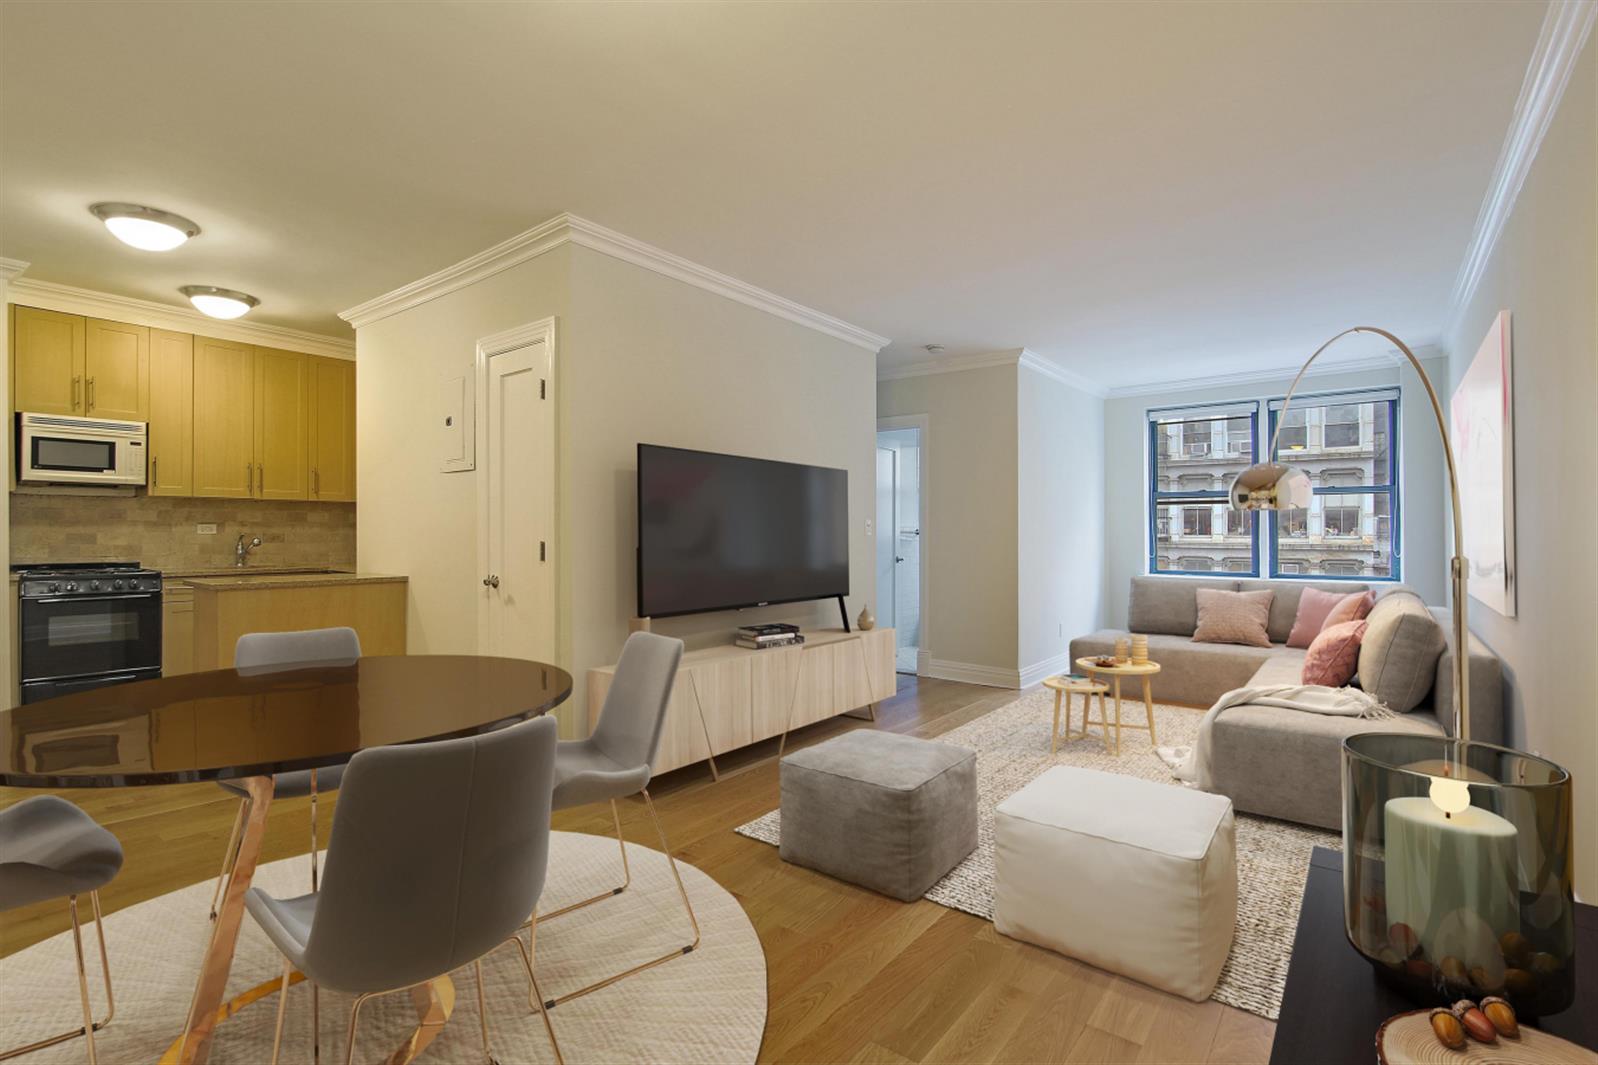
[(1271, 486)]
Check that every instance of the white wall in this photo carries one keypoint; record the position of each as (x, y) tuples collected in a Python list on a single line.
[(1060, 525), (969, 619), (1424, 497), (1544, 270), (640, 357)]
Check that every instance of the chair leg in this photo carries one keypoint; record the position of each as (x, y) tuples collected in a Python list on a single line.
[(355, 1016), (534, 993), (90, 1026), (316, 992), (688, 906), (626, 872), (282, 1005), (482, 1011), (227, 855), (83, 978)]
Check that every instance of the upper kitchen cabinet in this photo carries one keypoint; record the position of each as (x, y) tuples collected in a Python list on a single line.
[(171, 413), (116, 370), (224, 418), (47, 350), (332, 429), (282, 424)]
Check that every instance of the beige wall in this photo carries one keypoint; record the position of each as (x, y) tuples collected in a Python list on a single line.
[(639, 357), (1060, 525), (159, 531), (6, 636), (1425, 502), (1544, 270), (969, 611)]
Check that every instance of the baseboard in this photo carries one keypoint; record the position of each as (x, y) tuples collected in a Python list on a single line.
[(923, 662), (971, 673), (1060, 663)]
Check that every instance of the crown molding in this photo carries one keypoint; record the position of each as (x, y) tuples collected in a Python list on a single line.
[(87, 302), (1031, 360), (572, 229), (10, 268), (1565, 29), (1390, 361), (950, 364)]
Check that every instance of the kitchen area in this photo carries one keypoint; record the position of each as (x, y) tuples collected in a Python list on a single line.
[(171, 492)]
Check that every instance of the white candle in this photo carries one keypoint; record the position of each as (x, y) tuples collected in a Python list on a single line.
[(1451, 877)]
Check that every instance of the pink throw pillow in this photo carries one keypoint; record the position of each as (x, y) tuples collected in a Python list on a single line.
[(1314, 607), (1233, 617), (1352, 608), (1334, 656)]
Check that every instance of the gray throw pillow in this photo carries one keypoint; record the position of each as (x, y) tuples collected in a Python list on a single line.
[(1398, 656)]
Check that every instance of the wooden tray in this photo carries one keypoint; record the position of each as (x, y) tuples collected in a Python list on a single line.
[(1407, 1039)]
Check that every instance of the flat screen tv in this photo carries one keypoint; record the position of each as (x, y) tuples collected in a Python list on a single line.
[(718, 532)]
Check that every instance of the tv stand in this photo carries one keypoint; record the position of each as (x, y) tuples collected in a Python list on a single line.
[(727, 697)]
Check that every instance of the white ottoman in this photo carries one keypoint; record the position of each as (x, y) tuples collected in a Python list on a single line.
[(1128, 875)]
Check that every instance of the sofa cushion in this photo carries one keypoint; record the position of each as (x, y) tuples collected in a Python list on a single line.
[(1167, 604), (1354, 607), (1196, 674), (1233, 617), (1333, 657), (1313, 607), (1398, 656), (1284, 608)]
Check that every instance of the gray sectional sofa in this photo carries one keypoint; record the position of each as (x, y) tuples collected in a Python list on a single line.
[(1271, 761)]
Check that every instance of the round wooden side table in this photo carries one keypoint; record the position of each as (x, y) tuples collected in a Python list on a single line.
[(1146, 670), (1065, 686)]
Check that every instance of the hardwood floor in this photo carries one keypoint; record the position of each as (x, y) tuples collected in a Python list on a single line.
[(852, 976)]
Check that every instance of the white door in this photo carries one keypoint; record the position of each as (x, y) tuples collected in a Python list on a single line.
[(517, 506), (887, 536)]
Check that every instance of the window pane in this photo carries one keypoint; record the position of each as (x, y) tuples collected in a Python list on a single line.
[(1345, 535), (1350, 438), (1198, 538)]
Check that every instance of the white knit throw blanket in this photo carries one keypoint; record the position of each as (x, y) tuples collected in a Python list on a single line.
[(1192, 764)]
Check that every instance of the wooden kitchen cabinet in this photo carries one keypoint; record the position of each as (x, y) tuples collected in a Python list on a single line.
[(47, 349), (171, 413), (332, 443), (282, 424), (116, 370), (224, 418), (177, 629)]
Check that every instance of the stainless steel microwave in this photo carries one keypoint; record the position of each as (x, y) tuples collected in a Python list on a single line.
[(60, 449)]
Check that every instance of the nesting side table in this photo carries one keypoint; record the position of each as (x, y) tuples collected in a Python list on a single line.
[(1145, 670)]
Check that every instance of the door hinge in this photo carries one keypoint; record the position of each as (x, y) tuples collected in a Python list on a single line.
[(542, 391), (540, 550)]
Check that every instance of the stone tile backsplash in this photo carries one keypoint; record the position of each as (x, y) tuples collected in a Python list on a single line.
[(159, 531)]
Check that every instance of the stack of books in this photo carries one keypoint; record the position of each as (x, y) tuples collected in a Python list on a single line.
[(760, 637)]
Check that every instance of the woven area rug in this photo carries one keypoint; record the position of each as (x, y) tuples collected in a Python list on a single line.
[(1012, 745), (708, 1006)]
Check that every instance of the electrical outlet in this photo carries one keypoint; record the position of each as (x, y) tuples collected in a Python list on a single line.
[(205, 528), (868, 527)]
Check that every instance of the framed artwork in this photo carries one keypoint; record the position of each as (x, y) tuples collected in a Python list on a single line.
[(1482, 421), (458, 436)]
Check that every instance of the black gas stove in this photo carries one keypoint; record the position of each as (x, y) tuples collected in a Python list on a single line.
[(86, 625)]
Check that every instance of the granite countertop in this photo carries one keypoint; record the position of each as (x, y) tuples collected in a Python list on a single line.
[(237, 580)]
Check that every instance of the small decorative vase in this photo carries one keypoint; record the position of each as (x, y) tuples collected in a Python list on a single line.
[(867, 620), (1120, 649), (1140, 649)]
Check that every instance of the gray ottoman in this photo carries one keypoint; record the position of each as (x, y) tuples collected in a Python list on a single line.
[(888, 812)]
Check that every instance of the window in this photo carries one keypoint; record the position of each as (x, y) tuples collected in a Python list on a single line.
[(1345, 442), (1194, 455), (1351, 526)]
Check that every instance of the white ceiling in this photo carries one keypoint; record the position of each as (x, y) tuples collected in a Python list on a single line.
[(1136, 191)]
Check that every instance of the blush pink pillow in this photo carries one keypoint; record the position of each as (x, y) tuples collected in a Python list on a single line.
[(1314, 607), (1334, 656), (1352, 608)]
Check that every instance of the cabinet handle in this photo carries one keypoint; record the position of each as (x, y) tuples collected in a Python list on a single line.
[(155, 470), (249, 478), (316, 481), (89, 392), (260, 477), (76, 382)]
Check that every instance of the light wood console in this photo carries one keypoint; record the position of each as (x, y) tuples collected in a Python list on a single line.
[(728, 696)]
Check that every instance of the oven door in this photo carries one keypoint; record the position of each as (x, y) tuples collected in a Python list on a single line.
[(81, 635)]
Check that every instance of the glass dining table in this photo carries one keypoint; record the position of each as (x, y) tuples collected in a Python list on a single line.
[(247, 725)]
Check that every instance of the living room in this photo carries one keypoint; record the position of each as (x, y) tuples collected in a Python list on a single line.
[(990, 499)]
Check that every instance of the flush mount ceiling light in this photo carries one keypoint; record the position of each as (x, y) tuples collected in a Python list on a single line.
[(144, 227), (219, 302)]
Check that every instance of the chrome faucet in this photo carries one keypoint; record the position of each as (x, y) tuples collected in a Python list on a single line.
[(242, 550)]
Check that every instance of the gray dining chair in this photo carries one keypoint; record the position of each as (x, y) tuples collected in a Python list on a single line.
[(50, 849), (463, 825), (265, 652), (614, 763)]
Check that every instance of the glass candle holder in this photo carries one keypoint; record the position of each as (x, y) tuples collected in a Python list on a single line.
[(1457, 869)]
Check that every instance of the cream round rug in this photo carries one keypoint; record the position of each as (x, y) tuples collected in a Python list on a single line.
[(707, 1006)]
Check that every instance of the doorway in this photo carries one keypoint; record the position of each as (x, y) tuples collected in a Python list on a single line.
[(899, 539)]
